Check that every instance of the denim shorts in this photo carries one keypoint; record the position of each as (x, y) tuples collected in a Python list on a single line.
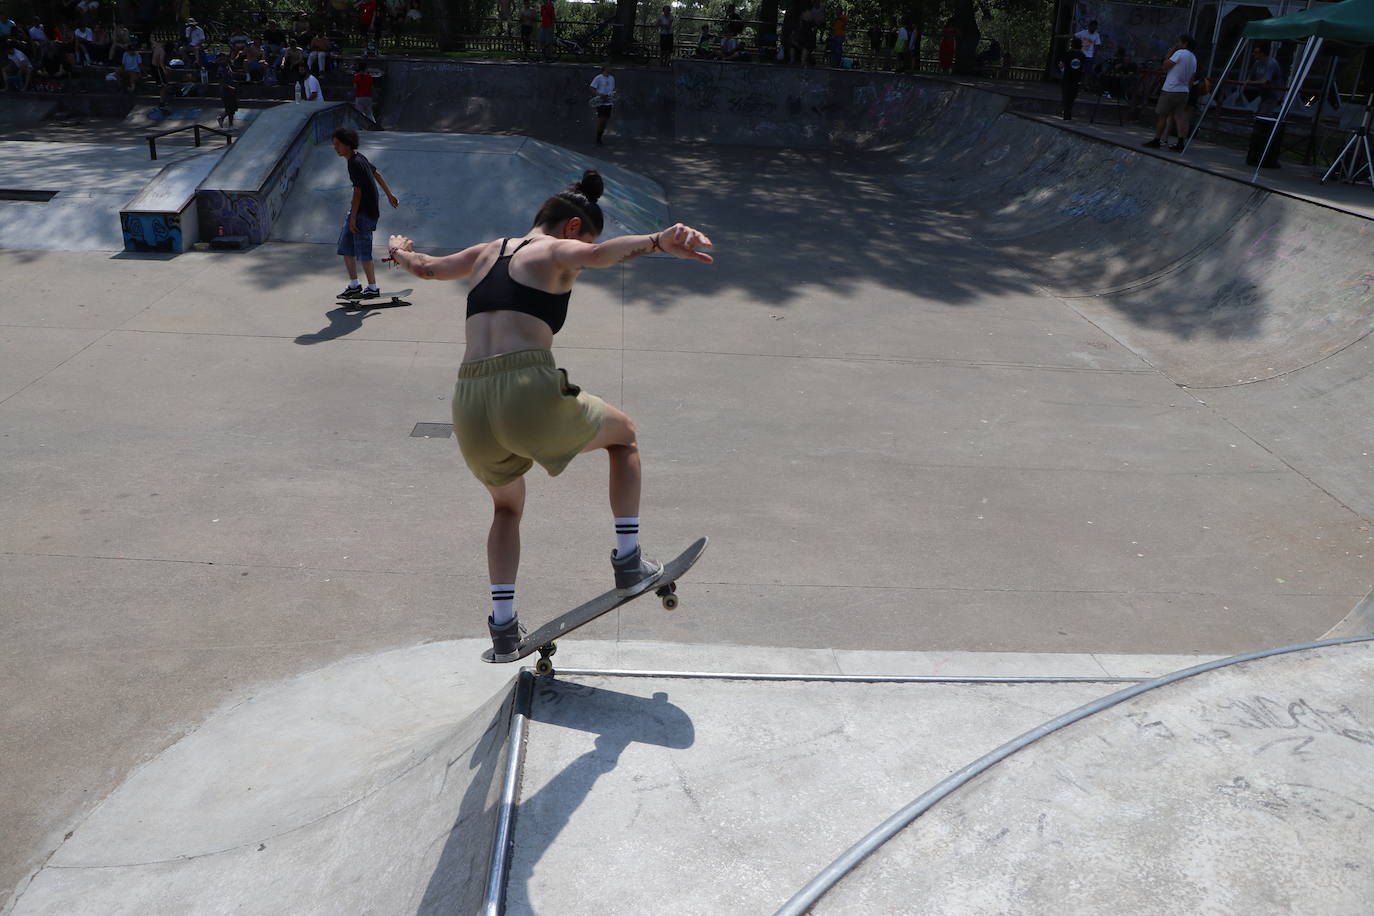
[(357, 244)]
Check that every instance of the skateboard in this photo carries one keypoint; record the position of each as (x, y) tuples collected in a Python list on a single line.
[(381, 302), (542, 639)]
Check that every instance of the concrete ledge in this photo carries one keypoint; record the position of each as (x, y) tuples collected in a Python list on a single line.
[(162, 217), (245, 194)]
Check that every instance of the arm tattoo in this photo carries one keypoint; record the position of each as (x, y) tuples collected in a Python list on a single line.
[(636, 253)]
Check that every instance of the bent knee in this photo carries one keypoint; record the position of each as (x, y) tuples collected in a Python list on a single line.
[(619, 430)]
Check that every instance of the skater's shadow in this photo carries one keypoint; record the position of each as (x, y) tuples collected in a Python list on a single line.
[(617, 720), (342, 321)]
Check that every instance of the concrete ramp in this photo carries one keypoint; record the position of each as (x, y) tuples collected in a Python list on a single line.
[(1215, 282), (459, 189), (1240, 789), (365, 787)]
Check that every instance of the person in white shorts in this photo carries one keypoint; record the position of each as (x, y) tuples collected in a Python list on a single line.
[(603, 98)]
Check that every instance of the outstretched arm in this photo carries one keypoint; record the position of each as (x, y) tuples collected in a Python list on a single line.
[(427, 267), (679, 241)]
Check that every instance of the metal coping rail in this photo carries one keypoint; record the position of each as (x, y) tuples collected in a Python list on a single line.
[(804, 899), (499, 867), (493, 903), (855, 678)]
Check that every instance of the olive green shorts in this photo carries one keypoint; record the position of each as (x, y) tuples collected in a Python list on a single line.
[(512, 410)]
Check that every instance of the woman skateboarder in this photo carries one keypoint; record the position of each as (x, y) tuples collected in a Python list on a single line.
[(512, 406)]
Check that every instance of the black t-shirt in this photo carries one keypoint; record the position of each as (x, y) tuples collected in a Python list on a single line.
[(1073, 67), (360, 173)]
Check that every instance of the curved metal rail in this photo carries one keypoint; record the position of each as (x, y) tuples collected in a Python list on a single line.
[(807, 897)]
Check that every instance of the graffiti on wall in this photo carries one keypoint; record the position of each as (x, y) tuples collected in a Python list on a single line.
[(251, 213), (152, 232), (1144, 30)]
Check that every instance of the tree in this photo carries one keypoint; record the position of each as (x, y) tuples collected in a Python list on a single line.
[(623, 35)]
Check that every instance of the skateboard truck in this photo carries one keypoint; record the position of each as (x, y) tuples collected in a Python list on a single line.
[(667, 594)]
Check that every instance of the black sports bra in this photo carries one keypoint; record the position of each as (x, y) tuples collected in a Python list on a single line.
[(499, 292)]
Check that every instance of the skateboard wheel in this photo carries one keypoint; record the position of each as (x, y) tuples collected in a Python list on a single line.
[(543, 667), (670, 602)]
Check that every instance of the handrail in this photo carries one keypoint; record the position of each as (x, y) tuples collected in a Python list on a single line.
[(194, 128)]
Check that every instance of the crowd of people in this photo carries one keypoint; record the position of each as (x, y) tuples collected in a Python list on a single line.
[(811, 36), (275, 52)]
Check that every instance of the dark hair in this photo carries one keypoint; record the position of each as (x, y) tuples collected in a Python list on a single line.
[(578, 200), (1186, 41), (348, 136)]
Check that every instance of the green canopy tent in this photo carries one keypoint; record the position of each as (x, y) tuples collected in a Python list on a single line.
[(1350, 22)]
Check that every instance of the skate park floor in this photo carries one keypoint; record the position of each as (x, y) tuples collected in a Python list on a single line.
[(901, 445)]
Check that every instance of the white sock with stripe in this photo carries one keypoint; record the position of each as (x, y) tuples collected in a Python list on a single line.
[(626, 536), (502, 604)]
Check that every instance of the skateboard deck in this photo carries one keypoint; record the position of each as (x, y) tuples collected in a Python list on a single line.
[(542, 639), (387, 300)]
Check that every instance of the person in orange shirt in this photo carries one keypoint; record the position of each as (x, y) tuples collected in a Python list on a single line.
[(837, 28)]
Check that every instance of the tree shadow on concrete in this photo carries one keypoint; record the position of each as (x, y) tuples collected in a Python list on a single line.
[(785, 224), (788, 223)]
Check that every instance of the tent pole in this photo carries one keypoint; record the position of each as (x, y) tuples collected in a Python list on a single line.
[(1309, 56), (1212, 96)]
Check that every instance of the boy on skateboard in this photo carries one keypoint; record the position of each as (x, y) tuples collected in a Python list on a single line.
[(355, 240), (512, 406)]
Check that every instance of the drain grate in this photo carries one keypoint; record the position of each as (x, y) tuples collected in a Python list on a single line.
[(432, 431)]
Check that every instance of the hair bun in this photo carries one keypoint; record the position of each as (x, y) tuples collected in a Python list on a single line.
[(591, 186)]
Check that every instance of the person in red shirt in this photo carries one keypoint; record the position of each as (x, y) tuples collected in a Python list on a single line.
[(362, 91), (367, 14), (546, 22)]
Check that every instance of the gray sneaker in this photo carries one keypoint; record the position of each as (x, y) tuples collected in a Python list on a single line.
[(634, 573), (505, 640)]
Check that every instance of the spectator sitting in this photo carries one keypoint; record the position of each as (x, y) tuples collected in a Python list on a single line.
[(318, 58), (706, 44), (1117, 75), (100, 44), (729, 48), (1265, 83), (7, 28), (18, 67), (52, 62), (292, 59), (273, 44), (130, 69), (193, 43), (119, 45), (88, 10), (253, 65), (82, 41), (37, 36)]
